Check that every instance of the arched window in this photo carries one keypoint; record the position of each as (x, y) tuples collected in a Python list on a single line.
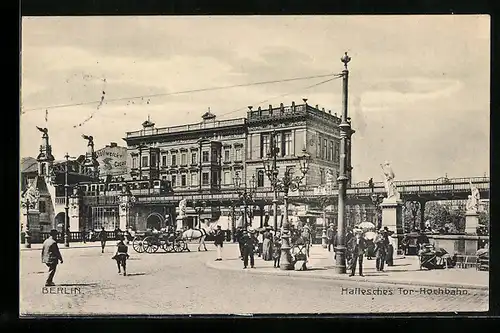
[(260, 178), (42, 169)]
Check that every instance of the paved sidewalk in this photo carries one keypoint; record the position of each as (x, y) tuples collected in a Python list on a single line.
[(72, 245), (406, 271)]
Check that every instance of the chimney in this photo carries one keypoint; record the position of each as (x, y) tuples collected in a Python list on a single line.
[(330, 111), (113, 145), (270, 107), (317, 106), (293, 105), (323, 109), (281, 106)]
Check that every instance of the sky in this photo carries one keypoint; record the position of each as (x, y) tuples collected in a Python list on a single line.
[(419, 86)]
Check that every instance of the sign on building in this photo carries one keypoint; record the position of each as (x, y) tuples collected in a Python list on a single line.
[(112, 160)]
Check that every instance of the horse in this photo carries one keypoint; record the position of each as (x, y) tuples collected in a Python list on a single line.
[(201, 234)]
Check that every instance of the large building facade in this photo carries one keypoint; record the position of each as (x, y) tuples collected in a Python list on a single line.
[(206, 157)]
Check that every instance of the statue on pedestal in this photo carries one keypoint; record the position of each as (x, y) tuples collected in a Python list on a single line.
[(390, 185), (473, 199), (90, 143)]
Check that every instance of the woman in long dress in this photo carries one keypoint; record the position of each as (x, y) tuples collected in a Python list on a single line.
[(267, 253)]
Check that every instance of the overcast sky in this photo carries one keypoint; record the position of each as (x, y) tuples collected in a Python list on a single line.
[(418, 90)]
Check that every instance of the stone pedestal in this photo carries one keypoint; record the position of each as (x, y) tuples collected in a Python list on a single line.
[(179, 224), (471, 222), (392, 218)]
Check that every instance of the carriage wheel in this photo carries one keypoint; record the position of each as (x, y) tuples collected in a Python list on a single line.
[(179, 246), (150, 245), (168, 246), (137, 244)]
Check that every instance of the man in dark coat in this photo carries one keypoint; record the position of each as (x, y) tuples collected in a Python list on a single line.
[(357, 247), (218, 242), (249, 242), (330, 235), (51, 256), (239, 239), (381, 247), (103, 237)]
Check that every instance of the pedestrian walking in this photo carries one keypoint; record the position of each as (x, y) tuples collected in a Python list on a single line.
[(121, 255), (103, 236), (330, 235), (51, 256), (267, 245), (381, 244), (276, 255), (389, 260), (260, 239), (357, 247), (239, 239), (249, 242), (84, 235), (219, 242)]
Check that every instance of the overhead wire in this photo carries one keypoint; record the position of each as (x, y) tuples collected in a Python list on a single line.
[(179, 92), (337, 76)]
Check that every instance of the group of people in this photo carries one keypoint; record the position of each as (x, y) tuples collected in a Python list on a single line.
[(51, 255), (358, 247)]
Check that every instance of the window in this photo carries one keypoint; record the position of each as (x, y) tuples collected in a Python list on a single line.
[(164, 160), (336, 154), (153, 160), (265, 145), (183, 180), (215, 178), (174, 180), (279, 143), (330, 150), (205, 156), (205, 178), (134, 162), (145, 161), (41, 207), (164, 177), (318, 147), (321, 176), (325, 149), (227, 157), (194, 159), (227, 177), (43, 169), (174, 160), (214, 155), (287, 146), (194, 179), (183, 159), (238, 154), (260, 178)]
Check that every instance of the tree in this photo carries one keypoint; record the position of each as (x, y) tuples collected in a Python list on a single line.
[(437, 214), (457, 218)]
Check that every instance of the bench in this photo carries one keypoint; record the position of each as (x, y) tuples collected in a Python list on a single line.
[(466, 261)]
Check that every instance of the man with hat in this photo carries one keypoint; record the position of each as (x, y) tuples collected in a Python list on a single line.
[(330, 235), (218, 242), (357, 247), (381, 245), (51, 256), (249, 241)]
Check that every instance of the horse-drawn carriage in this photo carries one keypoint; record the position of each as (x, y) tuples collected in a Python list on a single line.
[(151, 242)]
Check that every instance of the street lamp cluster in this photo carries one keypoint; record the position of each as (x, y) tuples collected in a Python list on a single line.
[(285, 184), (245, 194)]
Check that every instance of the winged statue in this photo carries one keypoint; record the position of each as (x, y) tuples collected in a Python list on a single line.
[(43, 130), (90, 138)]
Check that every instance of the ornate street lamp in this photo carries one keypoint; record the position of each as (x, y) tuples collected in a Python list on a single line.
[(345, 168), (286, 184), (245, 194)]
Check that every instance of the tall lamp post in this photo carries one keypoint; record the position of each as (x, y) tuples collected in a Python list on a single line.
[(66, 202), (286, 184), (345, 135), (245, 194)]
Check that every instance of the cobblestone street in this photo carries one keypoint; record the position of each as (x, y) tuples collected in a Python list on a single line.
[(170, 283)]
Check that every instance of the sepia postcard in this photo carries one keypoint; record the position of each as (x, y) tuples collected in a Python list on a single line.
[(175, 165)]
